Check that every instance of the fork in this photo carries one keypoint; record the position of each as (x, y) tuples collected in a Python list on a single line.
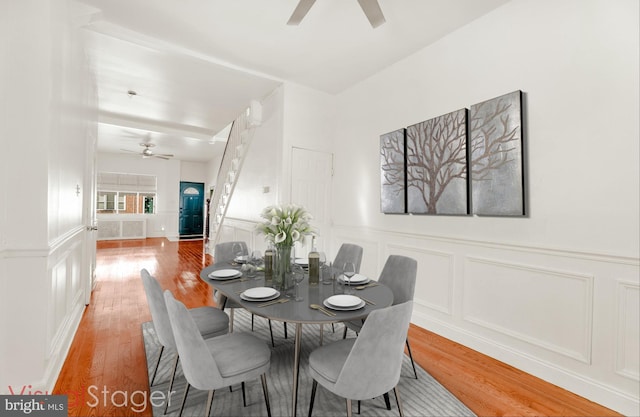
[(270, 303)]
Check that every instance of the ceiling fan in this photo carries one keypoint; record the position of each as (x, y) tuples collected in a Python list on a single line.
[(371, 9), (148, 153)]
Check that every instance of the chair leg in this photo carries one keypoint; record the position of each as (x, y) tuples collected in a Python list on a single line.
[(184, 399), (285, 329), (173, 377), (397, 393), (358, 406), (344, 334), (252, 317), (265, 391), (155, 371), (387, 401), (313, 396), (349, 413), (207, 409), (411, 357), (333, 328), (231, 320), (271, 333), (244, 395)]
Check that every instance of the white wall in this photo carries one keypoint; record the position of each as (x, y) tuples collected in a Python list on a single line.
[(293, 116), (554, 293), (193, 171), (46, 92), (168, 173)]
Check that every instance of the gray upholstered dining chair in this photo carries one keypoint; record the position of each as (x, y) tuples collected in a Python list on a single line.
[(348, 252), (226, 252), (217, 362), (210, 322), (399, 274), (367, 366)]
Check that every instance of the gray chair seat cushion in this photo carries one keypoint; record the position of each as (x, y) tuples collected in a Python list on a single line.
[(210, 321), (240, 354), (326, 362)]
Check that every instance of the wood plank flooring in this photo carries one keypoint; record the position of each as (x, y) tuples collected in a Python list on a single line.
[(105, 371)]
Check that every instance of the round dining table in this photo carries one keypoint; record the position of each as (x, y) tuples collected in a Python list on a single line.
[(286, 309)]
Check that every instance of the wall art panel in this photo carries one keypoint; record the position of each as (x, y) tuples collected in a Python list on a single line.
[(392, 172), (437, 165), (497, 178)]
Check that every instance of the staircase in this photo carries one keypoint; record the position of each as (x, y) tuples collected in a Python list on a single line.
[(237, 146)]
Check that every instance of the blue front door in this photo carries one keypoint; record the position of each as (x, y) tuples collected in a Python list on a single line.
[(191, 208)]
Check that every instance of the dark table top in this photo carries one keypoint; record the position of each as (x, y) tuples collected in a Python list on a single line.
[(296, 311)]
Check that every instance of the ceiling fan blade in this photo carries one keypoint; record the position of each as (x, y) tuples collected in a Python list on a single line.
[(161, 156), (127, 150), (372, 10), (300, 12), (167, 155)]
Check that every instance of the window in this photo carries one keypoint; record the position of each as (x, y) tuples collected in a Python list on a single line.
[(126, 193)]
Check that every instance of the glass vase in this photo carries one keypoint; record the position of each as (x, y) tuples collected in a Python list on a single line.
[(282, 278)]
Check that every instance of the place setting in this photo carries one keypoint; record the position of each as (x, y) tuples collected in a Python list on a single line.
[(225, 274), (344, 302), (265, 295)]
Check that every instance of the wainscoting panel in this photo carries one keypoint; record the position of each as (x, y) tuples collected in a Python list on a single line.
[(109, 229), (66, 301), (521, 301), (628, 329), (434, 281)]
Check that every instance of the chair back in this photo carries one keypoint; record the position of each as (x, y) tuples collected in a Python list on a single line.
[(199, 366), (158, 308), (348, 252), (399, 274), (374, 363), (223, 252)]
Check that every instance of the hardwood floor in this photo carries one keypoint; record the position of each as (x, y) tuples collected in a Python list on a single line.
[(105, 371)]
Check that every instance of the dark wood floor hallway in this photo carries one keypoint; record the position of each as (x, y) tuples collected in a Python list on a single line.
[(105, 371)]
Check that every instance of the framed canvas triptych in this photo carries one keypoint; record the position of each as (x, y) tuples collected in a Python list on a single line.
[(466, 161)]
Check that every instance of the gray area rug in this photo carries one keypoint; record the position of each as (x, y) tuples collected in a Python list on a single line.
[(421, 397)]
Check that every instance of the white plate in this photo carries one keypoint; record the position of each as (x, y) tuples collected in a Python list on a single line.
[(302, 261), (260, 292), (332, 307), (344, 300), (357, 279), (241, 259), (273, 297), (222, 274)]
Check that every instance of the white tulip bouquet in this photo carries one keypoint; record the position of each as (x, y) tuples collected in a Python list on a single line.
[(286, 224)]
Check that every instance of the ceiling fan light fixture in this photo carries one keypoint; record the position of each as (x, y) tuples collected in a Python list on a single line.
[(300, 12), (371, 9)]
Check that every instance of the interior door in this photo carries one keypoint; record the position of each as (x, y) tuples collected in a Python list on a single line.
[(311, 174), (90, 220), (191, 209)]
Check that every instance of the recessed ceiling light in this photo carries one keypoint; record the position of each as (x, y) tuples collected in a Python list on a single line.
[(132, 93)]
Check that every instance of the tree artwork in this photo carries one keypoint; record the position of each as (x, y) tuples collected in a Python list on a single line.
[(429, 167), (496, 156), (437, 165), (392, 172)]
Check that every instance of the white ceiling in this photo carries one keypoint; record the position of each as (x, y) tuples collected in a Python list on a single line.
[(196, 64)]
